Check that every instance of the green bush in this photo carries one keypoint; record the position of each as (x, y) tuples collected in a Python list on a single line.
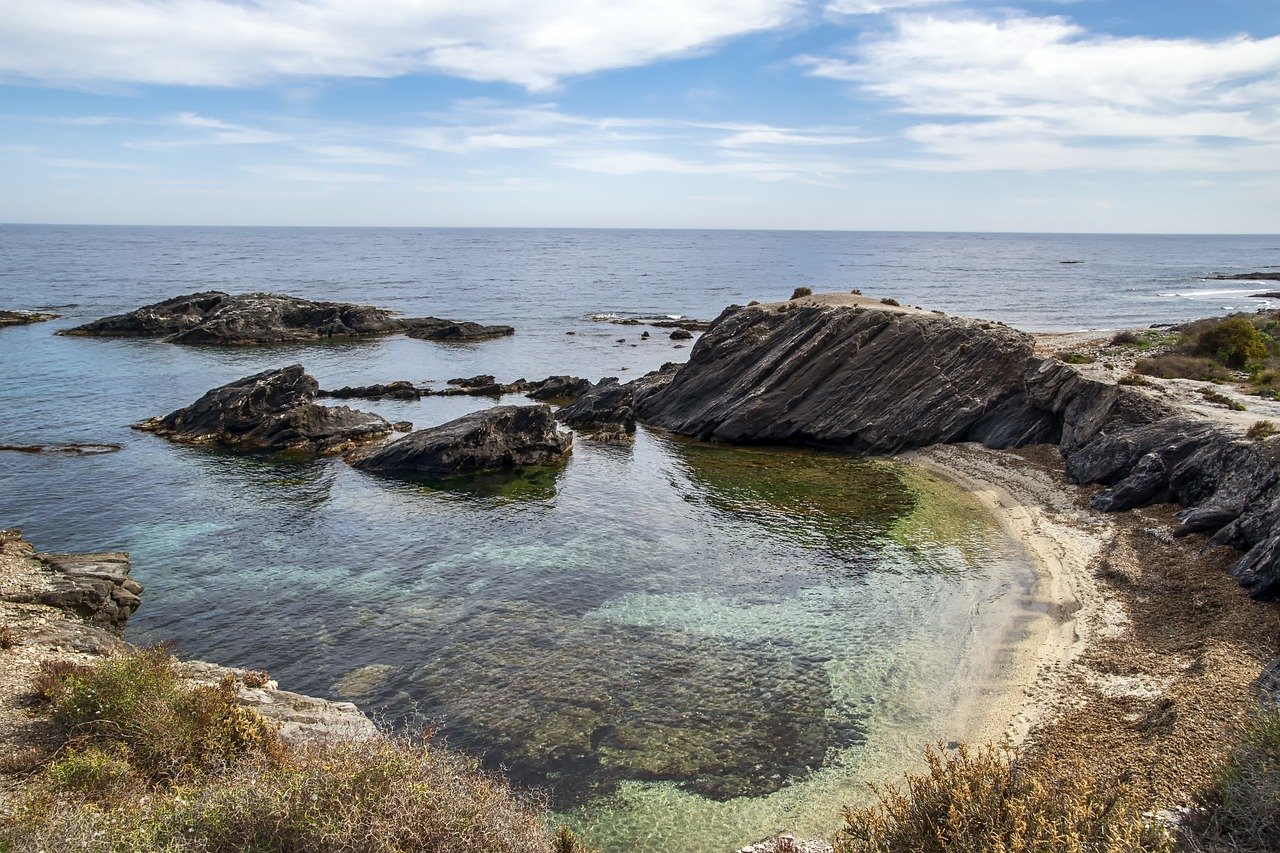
[(1234, 341), (985, 800), (1221, 399), (1077, 358)]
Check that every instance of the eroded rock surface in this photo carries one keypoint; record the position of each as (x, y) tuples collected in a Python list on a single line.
[(24, 318), (881, 380), (214, 317), (269, 411), (502, 437)]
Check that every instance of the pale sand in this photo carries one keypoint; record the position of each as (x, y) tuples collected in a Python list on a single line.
[(1035, 506)]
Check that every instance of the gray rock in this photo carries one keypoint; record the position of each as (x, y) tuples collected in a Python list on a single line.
[(24, 318), (502, 437), (214, 317), (269, 411), (95, 587)]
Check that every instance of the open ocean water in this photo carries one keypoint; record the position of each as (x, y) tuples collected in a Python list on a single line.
[(688, 646)]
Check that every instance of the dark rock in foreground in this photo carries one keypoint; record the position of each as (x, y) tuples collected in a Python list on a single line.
[(214, 317), (502, 437), (269, 411), (608, 410), (24, 318), (879, 380)]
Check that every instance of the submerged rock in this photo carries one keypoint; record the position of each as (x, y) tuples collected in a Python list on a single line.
[(214, 317), (502, 437), (271, 411), (75, 449)]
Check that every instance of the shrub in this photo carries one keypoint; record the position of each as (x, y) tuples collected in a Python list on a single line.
[(1077, 358), (1126, 338), (1134, 380), (978, 800), (801, 291), (8, 639), (1234, 341), (1173, 366), (168, 727), (94, 772), (1221, 399), (1261, 429), (888, 301), (1240, 809)]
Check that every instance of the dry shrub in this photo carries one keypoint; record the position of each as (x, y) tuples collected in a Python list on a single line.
[(986, 801), (52, 674), (152, 762), (1174, 366), (800, 292), (890, 301), (1126, 338), (256, 678), (1240, 809), (167, 726), (1135, 380), (1261, 429), (1220, 399)]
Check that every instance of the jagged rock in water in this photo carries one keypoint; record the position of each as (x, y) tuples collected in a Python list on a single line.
[(559, 388), (1269, 275), (24, 318), (879, 380), (502, 437), (477, 381), (609, 408), (214, 317), (271, 411), (401, 390), (432, 329)]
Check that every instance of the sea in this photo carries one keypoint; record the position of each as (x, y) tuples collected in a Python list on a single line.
[(678, 646)]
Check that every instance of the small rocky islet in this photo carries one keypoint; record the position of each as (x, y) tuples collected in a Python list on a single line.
[(216, 318), (24, 318)]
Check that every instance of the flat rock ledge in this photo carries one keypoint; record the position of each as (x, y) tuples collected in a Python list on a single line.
[(269, 411), (552, 388), (24, 318), (499, 438), (75, 606), (213, 317), (853, 374)]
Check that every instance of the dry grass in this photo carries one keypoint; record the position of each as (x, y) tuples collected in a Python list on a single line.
[(801, 292), (1262, 429), (1175, 366), (152, 762), (1240, 810), (985, 801)]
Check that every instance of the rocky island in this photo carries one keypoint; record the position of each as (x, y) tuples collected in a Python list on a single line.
[(24, 318), (214, 317)]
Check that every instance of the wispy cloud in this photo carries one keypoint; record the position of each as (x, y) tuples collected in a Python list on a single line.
[(89, 164), (836, 8), (1018, 92), (232, 43)]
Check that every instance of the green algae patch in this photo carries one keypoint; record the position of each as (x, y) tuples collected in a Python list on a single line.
[(942, 513), (799, 493)]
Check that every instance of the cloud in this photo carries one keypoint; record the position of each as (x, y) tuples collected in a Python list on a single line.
[(89, 164), (309, 175), (234, 43), (1022, 92), (876, 7)]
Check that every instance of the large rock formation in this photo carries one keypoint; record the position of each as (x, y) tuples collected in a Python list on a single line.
[(492, 439), (872, 379), (214, 317), (269, 411)]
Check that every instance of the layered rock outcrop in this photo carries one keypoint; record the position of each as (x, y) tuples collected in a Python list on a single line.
[(214, 317), (74, 607), (24, 318), (872, 379), (503, 437), (269, 411)]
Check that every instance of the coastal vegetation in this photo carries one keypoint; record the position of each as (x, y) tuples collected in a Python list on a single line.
[(1243, 347), (149, 761)]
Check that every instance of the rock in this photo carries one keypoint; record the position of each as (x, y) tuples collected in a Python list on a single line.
[(24, 318), (681, 335), (431, 329), (559, 388), (214, 317), (269, 411), (1270, 294), (96, 588), (502, 437), (473, 382), (609, 409), (1272, 275), (400, 390), (868, 380), (74, 449)]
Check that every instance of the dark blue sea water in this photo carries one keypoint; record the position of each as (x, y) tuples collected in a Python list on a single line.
[(688, 646)]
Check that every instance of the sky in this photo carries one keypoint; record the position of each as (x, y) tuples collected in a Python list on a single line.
[(959, 115)]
